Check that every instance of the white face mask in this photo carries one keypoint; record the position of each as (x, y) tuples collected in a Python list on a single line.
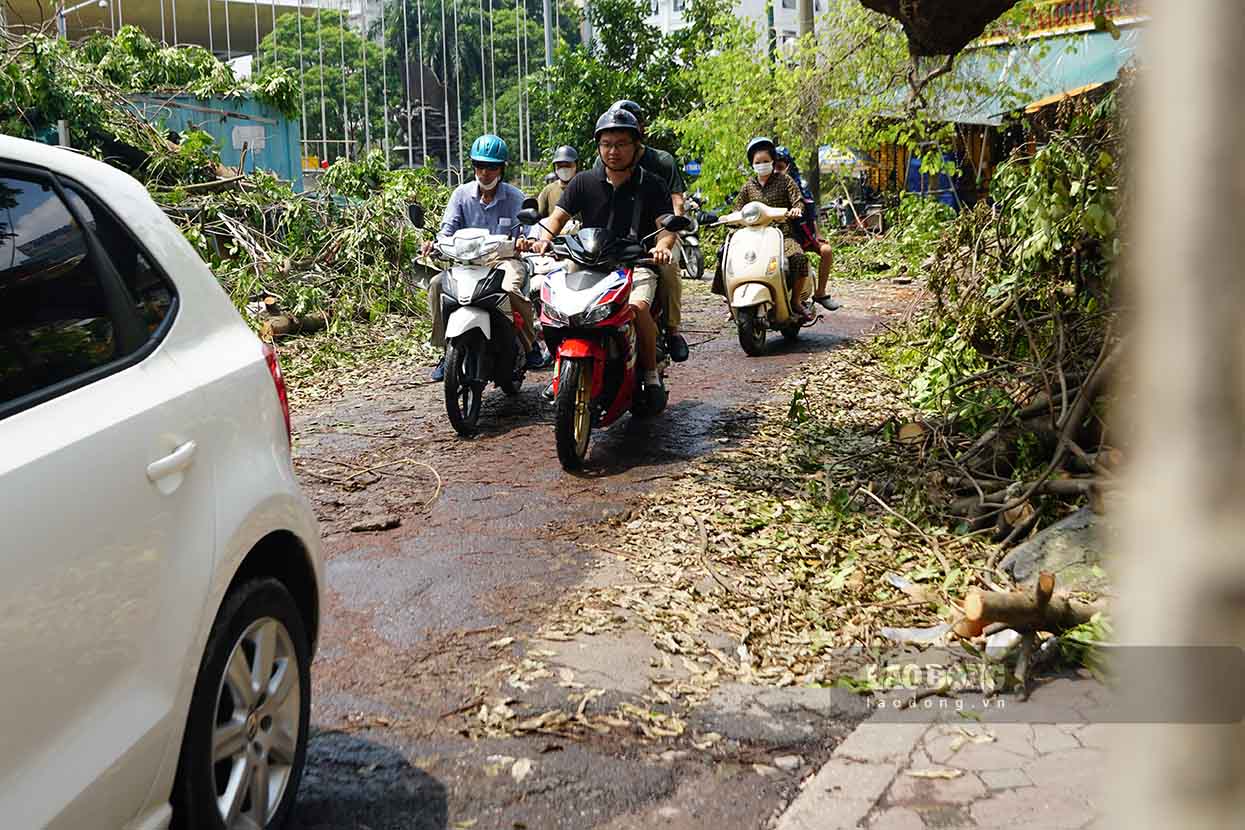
[(489, 187), (565, 173), (763, 168)]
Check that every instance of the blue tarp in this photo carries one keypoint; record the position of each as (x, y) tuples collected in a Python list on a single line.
[(272, 141), (943, 187)]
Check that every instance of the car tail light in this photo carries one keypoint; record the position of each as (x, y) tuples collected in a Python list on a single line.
[(274, 369)]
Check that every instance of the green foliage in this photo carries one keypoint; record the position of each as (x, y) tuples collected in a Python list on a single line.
[(349, 256)]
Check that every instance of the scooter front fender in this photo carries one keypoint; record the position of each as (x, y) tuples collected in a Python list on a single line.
[(578, 348), (466, 318), (751, 294)]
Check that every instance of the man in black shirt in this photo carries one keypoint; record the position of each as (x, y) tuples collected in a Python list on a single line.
[(607, 198)]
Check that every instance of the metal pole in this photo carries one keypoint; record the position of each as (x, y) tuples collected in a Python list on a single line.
[(548, 13), (341, 28), (163, 40), (62, 128), (527, 109), (228, 37), (483, 75), (255, 55), (406, 88), (458, 90), (324, 121), (518, 71), (302, 86), (492, 51), (211, 39), (175, 38), (445, 88), (423, 101), (384, 81), (273, 3), (367, 120)]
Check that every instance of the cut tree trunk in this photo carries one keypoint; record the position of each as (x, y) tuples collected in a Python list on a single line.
[(1037, 611), (283, 324)]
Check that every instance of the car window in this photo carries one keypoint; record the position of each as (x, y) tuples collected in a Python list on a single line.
[(151, 292), (54, 322)]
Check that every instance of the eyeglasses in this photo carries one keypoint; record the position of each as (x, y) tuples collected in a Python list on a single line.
[(611, 146)]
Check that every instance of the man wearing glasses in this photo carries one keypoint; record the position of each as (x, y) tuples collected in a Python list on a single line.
[(491, 204), (661, 165), (621, 197)]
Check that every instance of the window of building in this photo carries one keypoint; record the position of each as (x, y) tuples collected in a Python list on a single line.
[(654, 6), (789, 4), (680, 5)]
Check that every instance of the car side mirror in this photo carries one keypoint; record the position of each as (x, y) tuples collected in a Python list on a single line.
[(528, 216), (416, 213), (674, 224)]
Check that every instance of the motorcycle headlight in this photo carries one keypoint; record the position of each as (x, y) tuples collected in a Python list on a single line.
[(752, 213), (554, 316), (468, 249), (596, 315)]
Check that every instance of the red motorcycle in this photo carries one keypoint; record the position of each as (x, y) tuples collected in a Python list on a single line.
[(590, 327)]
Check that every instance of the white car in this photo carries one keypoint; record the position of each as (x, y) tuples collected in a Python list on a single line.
[(160, 570)]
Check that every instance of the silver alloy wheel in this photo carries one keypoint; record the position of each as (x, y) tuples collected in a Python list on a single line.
[(258, 723)]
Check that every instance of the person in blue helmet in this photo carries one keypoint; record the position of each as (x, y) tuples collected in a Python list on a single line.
[(805, 230), (491, 204)]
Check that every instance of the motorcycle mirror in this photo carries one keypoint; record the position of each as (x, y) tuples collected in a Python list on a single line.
[(528, 216), (707, 218), (529, 204), (416, 213), (673, 223)]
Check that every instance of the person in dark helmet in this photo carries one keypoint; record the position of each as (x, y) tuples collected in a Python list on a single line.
[(661, 164), (777, 190), (621, 197), (805, 230), (565, 166), (490, 203)]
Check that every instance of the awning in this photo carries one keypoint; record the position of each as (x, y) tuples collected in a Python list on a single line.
[(1060, 96), (995, 80)]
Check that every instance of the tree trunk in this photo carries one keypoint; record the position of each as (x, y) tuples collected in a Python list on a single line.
[(1185, 522)]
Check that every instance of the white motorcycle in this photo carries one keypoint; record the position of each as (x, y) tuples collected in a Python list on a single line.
[(481, 329), (690, 255), (755, 276)]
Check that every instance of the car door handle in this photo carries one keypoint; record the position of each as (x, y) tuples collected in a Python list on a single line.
[(174, 462)]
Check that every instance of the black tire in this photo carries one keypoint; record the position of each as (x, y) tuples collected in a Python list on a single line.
[(751, 331), (574, 388), (462, 399), (259, 602), (791, 333), (695, 263)]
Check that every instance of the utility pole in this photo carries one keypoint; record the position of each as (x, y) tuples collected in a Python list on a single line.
[(814, 166), (548, 10), (62, 32)]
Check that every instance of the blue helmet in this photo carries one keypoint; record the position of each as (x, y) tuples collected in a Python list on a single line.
[(490, 149)]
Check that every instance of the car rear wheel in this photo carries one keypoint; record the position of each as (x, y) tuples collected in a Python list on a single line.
[(246, 736)]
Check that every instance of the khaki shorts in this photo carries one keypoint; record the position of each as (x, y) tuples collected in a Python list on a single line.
[(643, 286)]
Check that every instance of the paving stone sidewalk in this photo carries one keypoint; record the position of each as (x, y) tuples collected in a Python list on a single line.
[(959, 772)]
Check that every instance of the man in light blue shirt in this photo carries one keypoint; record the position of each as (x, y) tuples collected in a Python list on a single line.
[(493, 205)]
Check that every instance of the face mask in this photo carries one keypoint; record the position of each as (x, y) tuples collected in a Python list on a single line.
[(565, 173), (489, 187), (763, 168)]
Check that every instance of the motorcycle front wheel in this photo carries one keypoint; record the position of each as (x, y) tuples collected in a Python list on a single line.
[(752, 331), (463, 394), (695, 263), (572, 427)]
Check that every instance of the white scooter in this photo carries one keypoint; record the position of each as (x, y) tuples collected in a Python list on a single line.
[(481, 339), (754, 266)]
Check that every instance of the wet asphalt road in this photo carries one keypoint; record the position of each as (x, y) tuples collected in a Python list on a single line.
[(491, 531)]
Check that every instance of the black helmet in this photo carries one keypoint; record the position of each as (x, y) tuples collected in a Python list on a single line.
[(565, 153), (631, 107), (617, 120), (760, 143), (781, 153)]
